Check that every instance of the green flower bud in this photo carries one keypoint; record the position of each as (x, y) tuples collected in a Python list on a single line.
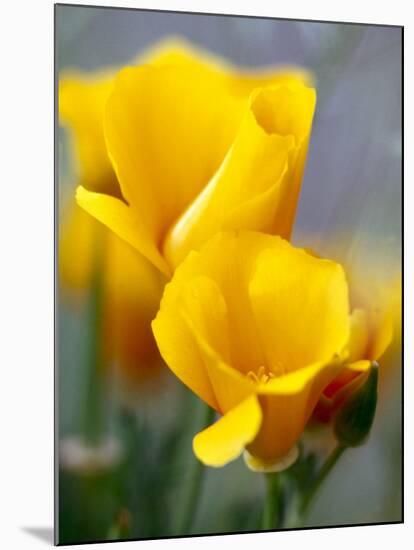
[(354, 420)]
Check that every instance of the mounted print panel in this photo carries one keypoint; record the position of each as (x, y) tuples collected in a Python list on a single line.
[(229, 258)]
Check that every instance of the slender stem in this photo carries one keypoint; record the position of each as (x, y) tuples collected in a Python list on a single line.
[(322, 475), (191, 498), (272, 511), (93, 421)]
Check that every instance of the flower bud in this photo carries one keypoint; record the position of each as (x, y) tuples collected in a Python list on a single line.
[(354, 420)]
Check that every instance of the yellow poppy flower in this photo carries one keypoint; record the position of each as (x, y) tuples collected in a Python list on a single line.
[(257, 329), (199, 147), (373, 329)]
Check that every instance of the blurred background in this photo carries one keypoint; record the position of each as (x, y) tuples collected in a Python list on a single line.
[(129, 481)]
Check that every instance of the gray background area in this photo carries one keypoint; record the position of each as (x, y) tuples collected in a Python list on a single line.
[(352, 187)]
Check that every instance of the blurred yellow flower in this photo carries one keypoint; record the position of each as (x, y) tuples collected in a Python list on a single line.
[(131, 292), (257, 329), (199, 147), (82, 98), (132, 287)]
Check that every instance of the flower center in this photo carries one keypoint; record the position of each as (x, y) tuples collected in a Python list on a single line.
[(260, 376), (263, 374)]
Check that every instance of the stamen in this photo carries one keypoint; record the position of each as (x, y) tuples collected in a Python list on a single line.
[(260, 376)]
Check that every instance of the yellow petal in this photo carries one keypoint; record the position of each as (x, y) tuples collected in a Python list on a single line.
[(360, 335), (191, 330), (359, 367), (287, 403), (179, 52), (205, 311), (376, 287), (228, 260), (382, 305), (299, 381), (382, 327), (388, 345), (116, 215), (209, 329), (175, 50), (258, 183), (82, 100), (225, 440), (177, 344), (301, 307), (229, 386)]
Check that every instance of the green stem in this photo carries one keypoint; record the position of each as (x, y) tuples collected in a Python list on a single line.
[(191, 498), (93, 406), (322, 475), (272, 513)]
